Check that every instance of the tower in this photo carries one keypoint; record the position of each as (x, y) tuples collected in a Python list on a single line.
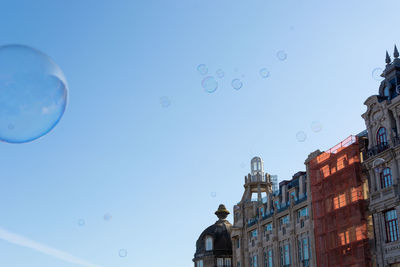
[(214, 246), (257, 184)]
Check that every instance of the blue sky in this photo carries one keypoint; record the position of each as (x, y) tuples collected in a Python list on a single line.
[(154, 168)]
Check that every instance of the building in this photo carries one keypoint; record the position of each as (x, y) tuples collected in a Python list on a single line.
[(273, 230), (214, 246), (381, 162), (339, 193)]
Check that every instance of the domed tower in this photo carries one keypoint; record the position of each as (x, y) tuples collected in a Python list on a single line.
[(257, 184), (214, 246)]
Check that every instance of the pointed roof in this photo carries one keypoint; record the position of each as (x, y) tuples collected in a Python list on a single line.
[(388, 59), (396, 52)]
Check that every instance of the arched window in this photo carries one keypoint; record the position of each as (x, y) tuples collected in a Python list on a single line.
[(381, 137), (209, 243), (386, 178)]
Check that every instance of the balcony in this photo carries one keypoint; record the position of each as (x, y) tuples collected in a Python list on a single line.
[(382, 147)]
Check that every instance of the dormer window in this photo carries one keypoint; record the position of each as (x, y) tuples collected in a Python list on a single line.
[(209, 243)]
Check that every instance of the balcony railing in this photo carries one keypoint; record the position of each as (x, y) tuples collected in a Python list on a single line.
[(375, 150)]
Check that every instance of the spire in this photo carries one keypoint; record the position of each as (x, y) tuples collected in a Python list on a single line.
[(222, 212), (396, 52), (387, 58)]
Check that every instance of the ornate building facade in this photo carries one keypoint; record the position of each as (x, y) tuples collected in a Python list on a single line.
[(273, 229), (382, 161)]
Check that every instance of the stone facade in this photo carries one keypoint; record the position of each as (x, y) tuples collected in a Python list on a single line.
[(382, 161), (273, 229)]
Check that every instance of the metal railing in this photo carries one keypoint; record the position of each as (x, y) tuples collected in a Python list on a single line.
[(375, 150)]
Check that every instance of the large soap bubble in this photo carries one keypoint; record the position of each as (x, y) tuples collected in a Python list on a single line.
[(33, 94)]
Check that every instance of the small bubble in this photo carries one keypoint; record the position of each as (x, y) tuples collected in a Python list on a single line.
[(107, 217), (202, 69), (301, 136), (81, 222), (220, 73), (236, 84), (281, 55), (316, 126), (11, 126), (165, 102), (123, 253), (264, 73), (291, 28), (213, 194), (376, 74), (209, 84), (242, 165)]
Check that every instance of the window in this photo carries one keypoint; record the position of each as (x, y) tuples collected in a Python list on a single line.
[(306, 254), (228, 262), (209, 243), (284, 220), (302, 212), (386, 178), (339, 201), (199, 263), (238, 243), (294, 195), (356, 193), (381, 138), (344, 238), (361, 232), (254, 233), (238, 264), (220, 262), (286, 253), (255, 264), (268, 227), (392, 230), (268, 259)]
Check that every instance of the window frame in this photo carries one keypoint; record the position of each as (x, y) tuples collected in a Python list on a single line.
[(381, 137), (391, 226), (206, 241), (386, 178)]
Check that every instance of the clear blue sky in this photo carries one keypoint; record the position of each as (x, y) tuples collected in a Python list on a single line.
[(154, 168)]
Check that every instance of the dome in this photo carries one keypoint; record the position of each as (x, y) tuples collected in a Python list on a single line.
[(219, 236)]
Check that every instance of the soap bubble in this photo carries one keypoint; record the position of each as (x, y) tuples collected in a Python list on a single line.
[(209, 84), (316, 126), (281, 55), (107, 217), (165, 102), (81, 222), (33, 94), (202, 69), (220, 73), (213, 194), (301, 136), (236, 84), (123, 253), (264, 73), (376, 74)]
